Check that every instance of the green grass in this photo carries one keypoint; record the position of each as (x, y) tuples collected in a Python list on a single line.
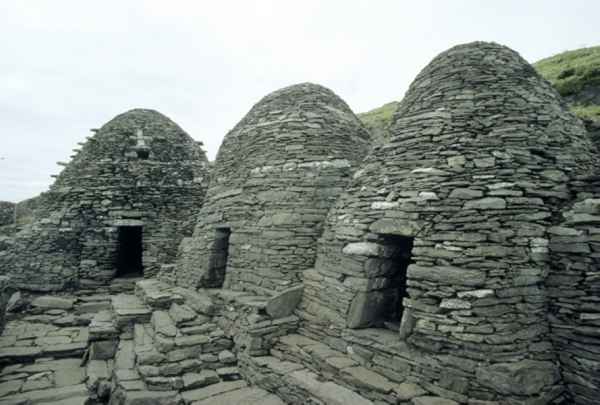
[(378, 119), (381, 114), (587, 111), (570, 71)]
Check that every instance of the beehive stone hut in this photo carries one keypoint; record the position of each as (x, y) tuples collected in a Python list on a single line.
[(7, 213), (433, 264), (120, 207), (276, 175)]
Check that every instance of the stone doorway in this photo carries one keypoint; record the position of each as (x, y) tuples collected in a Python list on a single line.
[(129, 252), (217, 265), (381, 306), (397, 257)]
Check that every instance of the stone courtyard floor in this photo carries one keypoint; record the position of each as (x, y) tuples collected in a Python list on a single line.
[(147, 343), (47, 357)]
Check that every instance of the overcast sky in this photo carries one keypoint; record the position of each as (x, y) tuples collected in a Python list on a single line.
[(68, 66)]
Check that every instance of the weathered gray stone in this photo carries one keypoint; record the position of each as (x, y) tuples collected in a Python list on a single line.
[(525, 377), (283, 303), (163, 324), (448, 275), (103, 349), (15, 302), (212, 390), (52, 302), (363, 249), (465, 193), (181, 313), (429, 400), (407, 391), (328, 392), (201, 379), (488, 203)]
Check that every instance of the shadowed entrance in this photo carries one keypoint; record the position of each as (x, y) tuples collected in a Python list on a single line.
[(129, 252), (217, 265), (381, 306)]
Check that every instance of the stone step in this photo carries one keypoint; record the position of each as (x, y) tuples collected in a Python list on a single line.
[(243, 396), (145, 397), (255, 302), (31, 341), (93, 307), (156, 294), (204, 393), (296, 384), (129, 309), (49, 395), (123, 285), (340, 367), (104, 326)]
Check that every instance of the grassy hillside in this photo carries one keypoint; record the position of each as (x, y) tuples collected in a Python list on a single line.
[(378, 119), (576, 76)]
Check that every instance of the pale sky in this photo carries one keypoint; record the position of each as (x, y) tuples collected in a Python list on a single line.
[(68, 66)]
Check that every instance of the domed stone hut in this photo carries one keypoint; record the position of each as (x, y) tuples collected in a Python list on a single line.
[(433, 263), (276, 175), (120, 207)]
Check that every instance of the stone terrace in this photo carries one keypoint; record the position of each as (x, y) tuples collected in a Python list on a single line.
[(158, 344)]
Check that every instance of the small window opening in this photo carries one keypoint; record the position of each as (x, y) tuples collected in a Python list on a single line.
[(143, 153), (217, 265), (398, 256), (129, 252)]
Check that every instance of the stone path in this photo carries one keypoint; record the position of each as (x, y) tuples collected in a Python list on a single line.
[(144, 348), (42, 354), (163, 345)]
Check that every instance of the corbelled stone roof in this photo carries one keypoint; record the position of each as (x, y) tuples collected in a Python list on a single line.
[(138, 169), (481, 159), (276, 175)]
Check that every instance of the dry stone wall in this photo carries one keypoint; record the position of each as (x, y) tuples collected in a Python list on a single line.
[(480, 163), (276, 175), (7, 213), (574, 289), (139, 169)]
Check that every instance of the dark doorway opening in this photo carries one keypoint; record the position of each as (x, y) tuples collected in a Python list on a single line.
[(217, 265), (397, 257), (129, 252)]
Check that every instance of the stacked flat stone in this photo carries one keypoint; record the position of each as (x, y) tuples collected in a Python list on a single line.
[(7, 213), (276, 175), (139, 169), (479, 165), (573, 287)]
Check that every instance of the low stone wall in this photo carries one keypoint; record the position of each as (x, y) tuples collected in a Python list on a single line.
[(246, 322)]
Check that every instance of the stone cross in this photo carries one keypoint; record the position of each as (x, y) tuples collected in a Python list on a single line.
[(141, 139), (141, 147)]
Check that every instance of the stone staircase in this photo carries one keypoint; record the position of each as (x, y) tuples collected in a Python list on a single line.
[(159, 344), (300, 368), (171, 351)]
